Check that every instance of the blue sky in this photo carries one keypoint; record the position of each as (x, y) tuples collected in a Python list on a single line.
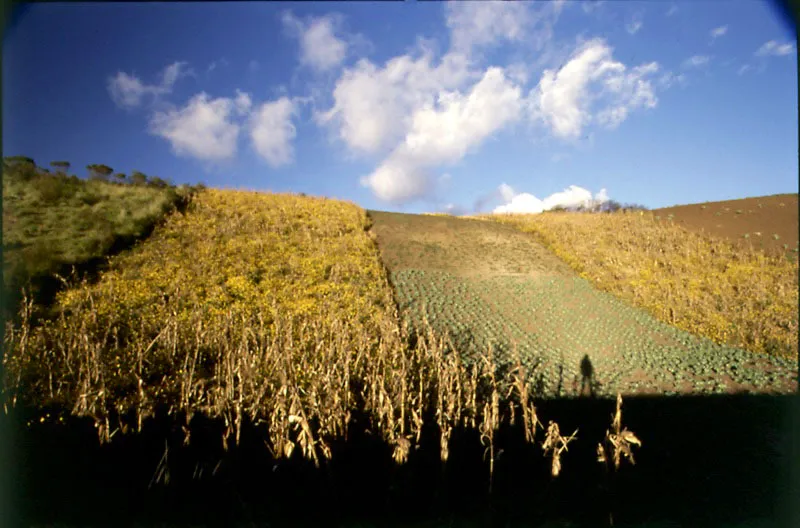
[(462, 106)]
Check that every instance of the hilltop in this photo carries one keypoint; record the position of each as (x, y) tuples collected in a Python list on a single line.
[(769, 223)]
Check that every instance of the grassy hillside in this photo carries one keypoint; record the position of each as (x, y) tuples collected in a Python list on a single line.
[(51, 222), (712, 287)]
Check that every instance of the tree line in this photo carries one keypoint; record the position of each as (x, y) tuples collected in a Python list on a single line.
[(25, 166)]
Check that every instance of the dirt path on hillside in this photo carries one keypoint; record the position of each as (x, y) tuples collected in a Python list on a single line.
[(498, 286)]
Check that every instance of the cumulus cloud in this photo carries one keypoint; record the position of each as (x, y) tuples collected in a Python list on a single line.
[(506, 192), (444, 132), (272, 131), (573, 196), (373, 107), (399, 179), (419, 112), (592, 80), (696, 61), (775, 49), (323, 46), (243, 102), (202, 129), (718, 32), (127, 91)]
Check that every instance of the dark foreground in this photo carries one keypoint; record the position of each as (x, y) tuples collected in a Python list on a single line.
[(705, 461)]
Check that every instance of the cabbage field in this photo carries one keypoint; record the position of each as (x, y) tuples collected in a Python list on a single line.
[(458, 277)]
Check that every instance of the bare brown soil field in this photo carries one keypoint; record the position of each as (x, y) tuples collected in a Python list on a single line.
[(767, 222)]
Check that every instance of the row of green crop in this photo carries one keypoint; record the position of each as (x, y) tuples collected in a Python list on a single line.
[(555, 321)]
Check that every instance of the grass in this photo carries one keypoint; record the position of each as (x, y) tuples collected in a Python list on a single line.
[(51, 222), (706, 286)]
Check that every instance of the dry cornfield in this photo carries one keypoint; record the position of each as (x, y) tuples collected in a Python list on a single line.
[(275, 310), (279, 311)]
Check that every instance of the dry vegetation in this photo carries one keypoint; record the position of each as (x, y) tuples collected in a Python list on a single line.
[(270, 309), (707, 286)]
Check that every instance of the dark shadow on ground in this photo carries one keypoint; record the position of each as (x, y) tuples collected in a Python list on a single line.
[(705, 461)]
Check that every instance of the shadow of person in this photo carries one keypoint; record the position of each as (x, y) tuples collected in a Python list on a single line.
[(587, 371)]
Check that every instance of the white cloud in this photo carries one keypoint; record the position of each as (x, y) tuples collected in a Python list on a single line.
[(399, 179), (419, 111), (127, 91), (243, 102), (272, 131), (202, 129), (718, 32), (634, 25), (320, 47), (475, 24), (572, 196), (507, 192), (743, 69), (518, 72), (775, 49), (669, 79), (672, 10), (444, 133), (373, 107), (696, 61), (563, 99)]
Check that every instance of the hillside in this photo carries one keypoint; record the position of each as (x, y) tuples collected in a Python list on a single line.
[(769, 223), (278, 310), (251, 308), (488, 284), (52, 222), (733, 294)]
